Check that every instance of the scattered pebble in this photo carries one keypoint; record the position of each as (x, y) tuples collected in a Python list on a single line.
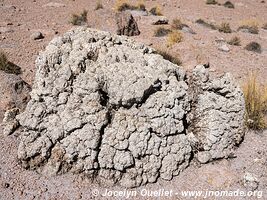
[(250, 181), (37, 36), (253, 46), (224, 48), (6, 185), (187, 29), (159, 20), (54, 4), (203, 157), (6, 30), (137, 13)]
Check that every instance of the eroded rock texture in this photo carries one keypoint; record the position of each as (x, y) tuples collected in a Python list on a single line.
[(218, 115), (14, 92), (106, 106), (126, 24)]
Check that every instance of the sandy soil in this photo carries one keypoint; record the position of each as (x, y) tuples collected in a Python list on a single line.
[(20, 18)]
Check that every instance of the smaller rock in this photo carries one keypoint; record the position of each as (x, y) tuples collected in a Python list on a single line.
[(10, 115), (229, 4), (203, 157), (9, 7), (37, 35), (201, 74), (138, 13), (240, 4), (54, 4), (159, 20), (6, 185), (10, 127), (224, 48), (9, 122), (126, 24), (245, 29), (6, 30), (253, 46), (164, 4), (187, 29), (250, 181), (220, 40)]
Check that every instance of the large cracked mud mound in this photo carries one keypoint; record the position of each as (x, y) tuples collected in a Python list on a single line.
[(113, 109)]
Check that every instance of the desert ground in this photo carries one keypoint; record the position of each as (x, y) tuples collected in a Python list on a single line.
[(19, 19)]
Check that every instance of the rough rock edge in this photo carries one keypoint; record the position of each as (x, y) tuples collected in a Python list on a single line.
[(125, 158)]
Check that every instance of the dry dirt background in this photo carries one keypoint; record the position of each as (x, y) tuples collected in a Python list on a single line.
[(20, 18)]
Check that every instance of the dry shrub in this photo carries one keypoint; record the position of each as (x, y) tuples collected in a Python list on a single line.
[(251, 25), (256, 102), (174, 37), (225, 28), (211, 2), (79, 19), (99, 5), (177, 24), (234, 41), (167, 56), (161, 32), (141, 5), (7, 66), (253, 46), (122, 5), (156, 11)]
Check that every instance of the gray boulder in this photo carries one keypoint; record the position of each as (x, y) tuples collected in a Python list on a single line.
[(111, 108), (126, 24)]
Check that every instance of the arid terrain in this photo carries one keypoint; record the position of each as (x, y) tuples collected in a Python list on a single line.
[(20, 19)]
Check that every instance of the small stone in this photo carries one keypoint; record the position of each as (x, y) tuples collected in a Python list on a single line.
[(240, 4), (187, 29), (250, 181), (138, 13), (126, 24), (220, 40), (10, 115), (10, 127), (159, 20), (6, 185), (37, 36), (224, 48), (54, 4), (203, 157), (6, 30), (229, 4)]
